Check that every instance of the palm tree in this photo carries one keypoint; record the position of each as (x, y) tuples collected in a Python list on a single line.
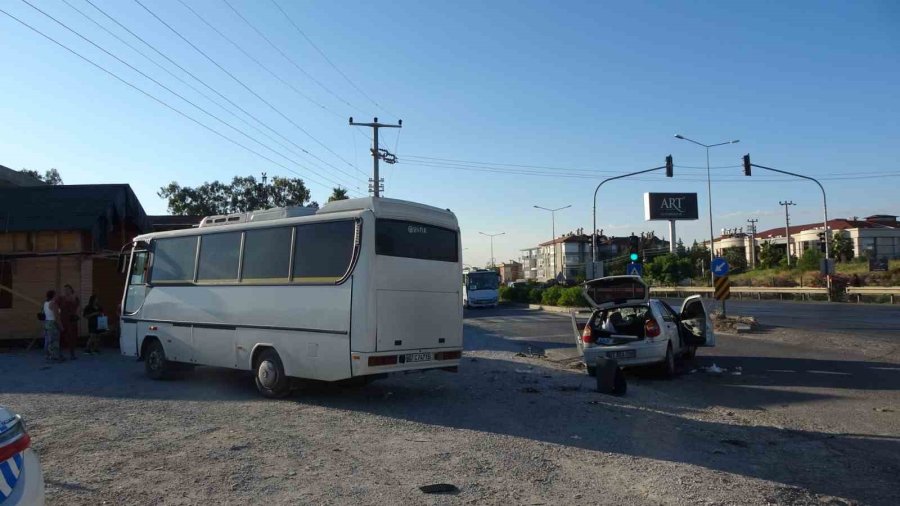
[(338, 194)]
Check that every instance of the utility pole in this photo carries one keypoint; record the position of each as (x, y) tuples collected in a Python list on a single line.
[(378, 153), (492, 244), (752, 229), (787, 229)]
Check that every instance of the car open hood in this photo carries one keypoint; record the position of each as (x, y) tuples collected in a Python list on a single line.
[(603, 293)]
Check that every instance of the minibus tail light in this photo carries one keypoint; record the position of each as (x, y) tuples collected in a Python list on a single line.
[(383, 360)]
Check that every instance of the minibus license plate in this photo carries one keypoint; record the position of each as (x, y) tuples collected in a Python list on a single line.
[(417, 357), (621, 354)]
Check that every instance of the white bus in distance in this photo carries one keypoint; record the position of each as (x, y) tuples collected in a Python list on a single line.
[(481, 288), (356, 289)]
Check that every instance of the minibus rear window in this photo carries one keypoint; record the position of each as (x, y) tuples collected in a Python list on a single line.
[(409, 239)]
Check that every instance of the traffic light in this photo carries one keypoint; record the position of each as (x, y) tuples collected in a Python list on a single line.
[(747, 164), (669, 166), (822, 240), (633, 247)]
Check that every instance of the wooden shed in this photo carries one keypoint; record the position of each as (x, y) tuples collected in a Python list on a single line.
[(51, 236)]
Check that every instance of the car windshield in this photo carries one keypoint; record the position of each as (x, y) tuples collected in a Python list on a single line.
[(483, 281)]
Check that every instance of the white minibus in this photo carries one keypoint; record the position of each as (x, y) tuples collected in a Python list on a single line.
[(351, 291)]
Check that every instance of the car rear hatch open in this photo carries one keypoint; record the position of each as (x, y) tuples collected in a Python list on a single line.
[(611, 291)]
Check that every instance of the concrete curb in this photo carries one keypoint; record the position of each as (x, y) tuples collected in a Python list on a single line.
[(558, 309)]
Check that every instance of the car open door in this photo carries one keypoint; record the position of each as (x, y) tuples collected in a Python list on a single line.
[(697, 323), (603, 293)]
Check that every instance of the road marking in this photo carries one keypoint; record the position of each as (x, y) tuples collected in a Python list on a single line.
[(781, 370), (886, 368), (835, 373)]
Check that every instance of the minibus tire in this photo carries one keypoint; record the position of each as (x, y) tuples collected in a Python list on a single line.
[(668, 367), (155, 364), (269, 363)]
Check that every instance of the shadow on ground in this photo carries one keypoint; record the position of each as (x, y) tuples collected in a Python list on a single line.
[(527, 400)]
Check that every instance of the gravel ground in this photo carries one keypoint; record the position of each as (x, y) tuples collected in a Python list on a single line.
[(505, 429)]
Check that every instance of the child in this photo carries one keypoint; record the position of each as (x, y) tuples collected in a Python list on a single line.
[(91, 312)]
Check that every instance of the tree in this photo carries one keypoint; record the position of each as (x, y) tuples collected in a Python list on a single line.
[(680, 249), (669, 269), (50, 177), (699, 255), (769, 255), (242, 195), (736, 258), (338, 194), (810, 259), (841, 247)]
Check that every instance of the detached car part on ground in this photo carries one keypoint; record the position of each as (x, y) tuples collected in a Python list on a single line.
[(21, 479), (633, 329)]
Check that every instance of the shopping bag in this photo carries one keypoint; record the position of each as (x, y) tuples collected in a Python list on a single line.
[(102, 323)]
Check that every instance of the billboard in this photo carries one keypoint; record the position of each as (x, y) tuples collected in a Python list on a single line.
[(670, 206)]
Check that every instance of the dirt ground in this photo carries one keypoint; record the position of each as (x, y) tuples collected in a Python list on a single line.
[(506, 429)]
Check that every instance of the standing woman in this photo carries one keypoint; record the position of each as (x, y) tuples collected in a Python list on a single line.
[(69, 318), (51, 326)]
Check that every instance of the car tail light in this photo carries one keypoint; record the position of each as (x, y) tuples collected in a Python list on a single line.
[(448, 355), (651, 328), (383, 360), (14, 440), (587, 335)]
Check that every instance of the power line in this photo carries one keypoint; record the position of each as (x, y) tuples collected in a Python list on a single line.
[(150, 96), (288, 58), (233, 104), (260, 64), (201, 109), (232, 76), (322, 53)]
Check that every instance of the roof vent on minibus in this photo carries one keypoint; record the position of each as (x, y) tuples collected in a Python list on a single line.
[(275, 213)]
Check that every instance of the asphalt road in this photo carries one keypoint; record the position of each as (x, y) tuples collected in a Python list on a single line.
[(841, 390)]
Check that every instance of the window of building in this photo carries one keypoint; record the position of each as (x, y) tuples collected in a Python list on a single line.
[(323, 251), (173, 259), (6, 297), (267, 255), (219, 257)]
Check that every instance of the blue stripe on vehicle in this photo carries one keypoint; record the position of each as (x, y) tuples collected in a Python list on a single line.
[(7, 473), (19, 460)]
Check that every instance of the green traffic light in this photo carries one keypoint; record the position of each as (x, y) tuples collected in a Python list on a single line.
[(634, 257)]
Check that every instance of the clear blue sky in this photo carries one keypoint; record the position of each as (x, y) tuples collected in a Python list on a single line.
[(594, 86)]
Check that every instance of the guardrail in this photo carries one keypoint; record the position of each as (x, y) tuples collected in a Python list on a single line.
[(859, 291), (740, 291)]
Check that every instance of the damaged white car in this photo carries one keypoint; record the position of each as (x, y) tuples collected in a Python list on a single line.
[(630, 327)]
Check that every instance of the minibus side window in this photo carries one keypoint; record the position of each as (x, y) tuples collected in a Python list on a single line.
[(323, 251)]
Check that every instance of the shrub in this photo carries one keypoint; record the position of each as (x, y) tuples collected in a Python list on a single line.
[(810, 259), (551, 296), (535, 295), (572, 297), (507, 293)]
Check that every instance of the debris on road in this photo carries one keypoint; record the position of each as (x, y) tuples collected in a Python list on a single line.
[(714, 369), (439, 488), (884, 410), (738, 324)]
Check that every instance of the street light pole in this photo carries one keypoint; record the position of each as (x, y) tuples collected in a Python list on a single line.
[(492, 244), (712, 254), (553, 238)]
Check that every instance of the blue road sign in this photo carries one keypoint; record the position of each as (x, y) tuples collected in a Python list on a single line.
[(720, 266), (634, 269)]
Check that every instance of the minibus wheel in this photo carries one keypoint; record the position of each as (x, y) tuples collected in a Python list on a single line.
[(155, 364), (270, 378)]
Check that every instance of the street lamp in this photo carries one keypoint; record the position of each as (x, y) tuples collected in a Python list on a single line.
[(553, 238), (492, 244), (712, 254)]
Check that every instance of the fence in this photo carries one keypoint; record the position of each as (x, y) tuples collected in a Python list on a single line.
[(859, 291)]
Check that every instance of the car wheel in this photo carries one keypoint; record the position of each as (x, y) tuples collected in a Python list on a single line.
[(270, 378), (667, 368), (155, 364)]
